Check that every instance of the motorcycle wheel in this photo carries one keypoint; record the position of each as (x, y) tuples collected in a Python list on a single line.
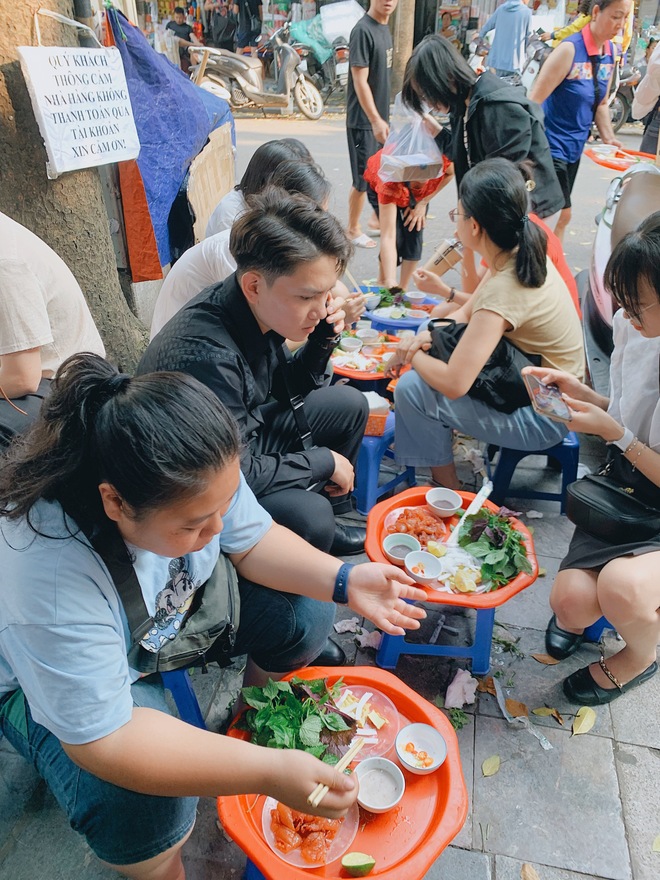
[(619, 110), (308, 99)]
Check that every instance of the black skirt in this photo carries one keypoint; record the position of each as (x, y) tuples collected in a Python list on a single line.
[(587, 552)]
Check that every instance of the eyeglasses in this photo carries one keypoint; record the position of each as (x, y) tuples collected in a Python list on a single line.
[(454, 213), (637, 315)]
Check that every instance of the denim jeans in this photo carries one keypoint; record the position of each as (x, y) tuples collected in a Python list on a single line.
[(122, 827), (425, 419)]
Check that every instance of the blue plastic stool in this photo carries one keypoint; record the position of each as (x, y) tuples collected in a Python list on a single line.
[(391, 647), (594, 632), (567, 453), (252, 872), (367, 491), (179, 685)]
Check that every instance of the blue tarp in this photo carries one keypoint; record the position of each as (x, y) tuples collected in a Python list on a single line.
[(173, 117)]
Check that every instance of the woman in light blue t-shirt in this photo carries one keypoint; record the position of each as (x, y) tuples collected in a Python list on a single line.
[(154, 461)]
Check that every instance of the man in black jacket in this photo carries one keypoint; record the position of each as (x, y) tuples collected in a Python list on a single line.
[(289, 254)]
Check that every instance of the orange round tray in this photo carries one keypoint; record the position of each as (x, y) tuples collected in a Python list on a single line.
[(406, 841), (364, 375), (417, 497), (621, 161)]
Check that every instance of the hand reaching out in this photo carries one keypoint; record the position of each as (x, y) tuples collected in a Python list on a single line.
[(378, 592)]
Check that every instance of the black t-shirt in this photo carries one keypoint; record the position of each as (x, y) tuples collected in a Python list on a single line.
[(183, 31), (370, 46), (247, 9)]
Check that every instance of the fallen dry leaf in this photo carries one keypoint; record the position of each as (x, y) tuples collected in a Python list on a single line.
[(542, 571), (543, 711), (491, 765), (487, 686), (516, 708), (557, 716), (546, 659), (528, 872), (584, 720), (656, 844)]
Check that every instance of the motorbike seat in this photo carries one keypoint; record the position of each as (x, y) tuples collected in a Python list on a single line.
[(249, 60), (640, 197)]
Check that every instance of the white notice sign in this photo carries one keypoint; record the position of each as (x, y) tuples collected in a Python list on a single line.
[(81, 102)]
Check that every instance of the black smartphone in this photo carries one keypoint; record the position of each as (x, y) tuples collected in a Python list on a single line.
[(547, 400), (541, 31)]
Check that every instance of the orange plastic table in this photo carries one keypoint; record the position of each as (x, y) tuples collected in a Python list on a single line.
[(622, 160), (406, 841), (391, 647)]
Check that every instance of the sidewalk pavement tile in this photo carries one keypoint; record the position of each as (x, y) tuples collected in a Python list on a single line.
[(461, 864), (465, 737), (531, 607), (211, 854), (536, 684), (18, 784), (559, 807), (509, 869), (552, 534), (638, 770), (635, 718)]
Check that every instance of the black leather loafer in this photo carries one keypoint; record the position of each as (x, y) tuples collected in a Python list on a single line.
[(348, 540), (581, 688), (331, 655), (560, 643)]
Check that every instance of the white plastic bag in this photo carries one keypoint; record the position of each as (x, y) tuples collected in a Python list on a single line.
[(410, 152)]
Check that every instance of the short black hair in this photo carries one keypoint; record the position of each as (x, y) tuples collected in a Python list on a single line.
[(179, 10), (301, 177), (279, 231), (436, 74), (263, 162), (636, 257)]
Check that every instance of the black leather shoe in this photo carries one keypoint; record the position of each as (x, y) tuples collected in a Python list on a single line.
[(560, 643), (581, 688), (331, 655), (348, 540)]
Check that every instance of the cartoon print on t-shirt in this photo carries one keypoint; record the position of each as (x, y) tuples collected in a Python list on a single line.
[(172, 605)]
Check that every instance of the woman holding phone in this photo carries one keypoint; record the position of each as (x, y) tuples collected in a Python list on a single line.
[(524, 300), (618, 580)]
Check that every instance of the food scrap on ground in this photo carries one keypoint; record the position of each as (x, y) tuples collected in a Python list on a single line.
[(461, 690)]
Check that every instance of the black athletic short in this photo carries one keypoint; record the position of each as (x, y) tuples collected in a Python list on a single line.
[(361, 147), (566, 174)]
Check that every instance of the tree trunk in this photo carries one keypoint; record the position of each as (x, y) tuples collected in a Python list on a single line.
[(402, 37), (67, 213)]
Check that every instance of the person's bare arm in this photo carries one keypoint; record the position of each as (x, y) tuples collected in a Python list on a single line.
[(603, 120), (20, 372), (554, 71), (365, 96)]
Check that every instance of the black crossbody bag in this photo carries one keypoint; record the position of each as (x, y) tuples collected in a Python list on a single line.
[(208, 632), (499, 383)]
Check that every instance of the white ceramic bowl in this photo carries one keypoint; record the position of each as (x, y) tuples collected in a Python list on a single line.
[(382, 784), (399, 539), (414, 297), (372, 301), (425, 739), (350, 344), (363, 324), (444, 502), (428, 566), (368, 337)]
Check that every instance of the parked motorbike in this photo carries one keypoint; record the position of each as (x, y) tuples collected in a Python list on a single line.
[(330, 75), (631, 197), (239, 79)]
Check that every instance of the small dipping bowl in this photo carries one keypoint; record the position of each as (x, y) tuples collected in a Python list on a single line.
[(350, 344), (368, 337), (415, 739), (414, 297), (431, 565), (363, 324), (382, 784), (444, 502), (372, 301), (402, 543)]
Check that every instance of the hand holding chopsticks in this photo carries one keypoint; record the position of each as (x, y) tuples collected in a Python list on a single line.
[(321, 790)]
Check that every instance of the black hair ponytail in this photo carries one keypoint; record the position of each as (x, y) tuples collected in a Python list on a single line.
[(154, 438), (495, 194)]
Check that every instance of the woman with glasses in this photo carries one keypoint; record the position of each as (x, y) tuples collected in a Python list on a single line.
[(487, 117), (523, 300), (596, 577)]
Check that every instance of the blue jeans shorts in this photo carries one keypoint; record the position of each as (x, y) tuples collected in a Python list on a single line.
[(122, 827)]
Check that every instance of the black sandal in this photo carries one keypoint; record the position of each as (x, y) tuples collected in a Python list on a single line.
[(560, 643), (581, 688)]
